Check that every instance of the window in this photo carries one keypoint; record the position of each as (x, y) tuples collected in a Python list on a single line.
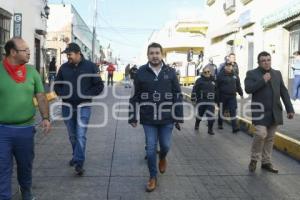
[(229, 6), (5, 21)]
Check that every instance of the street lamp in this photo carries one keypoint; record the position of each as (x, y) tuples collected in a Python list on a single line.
[(47, 12)]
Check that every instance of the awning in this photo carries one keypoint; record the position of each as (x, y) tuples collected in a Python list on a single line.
[(284, 13), (229, 28)]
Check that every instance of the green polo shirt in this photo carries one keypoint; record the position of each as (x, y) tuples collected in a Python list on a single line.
[(16, 99)]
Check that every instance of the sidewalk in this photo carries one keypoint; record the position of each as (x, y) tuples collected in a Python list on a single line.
[(201, 167), (290, 127)]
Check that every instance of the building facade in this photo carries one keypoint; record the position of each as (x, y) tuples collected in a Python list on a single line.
[(177, 38), (26, 19), (65, 25), (235, 26)]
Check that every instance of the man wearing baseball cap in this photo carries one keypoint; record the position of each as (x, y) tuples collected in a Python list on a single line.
[(76, 108)]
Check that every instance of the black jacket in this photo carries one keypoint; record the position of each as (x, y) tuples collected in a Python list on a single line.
[(89, 86), (228, 84), (152, 92), (204, 90), (267, 94), (132, 72)]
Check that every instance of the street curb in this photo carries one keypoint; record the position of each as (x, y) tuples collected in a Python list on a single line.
[(283, 143)]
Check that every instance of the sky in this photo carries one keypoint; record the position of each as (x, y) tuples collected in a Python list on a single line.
[(127, 24)]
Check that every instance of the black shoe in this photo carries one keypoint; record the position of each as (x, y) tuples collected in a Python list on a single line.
[(71, 163), (220, 127), (235, 130), (210, 132), (79, 170), (269, 167), (196, 128), (252, 165), (26, 194), (146, 158)]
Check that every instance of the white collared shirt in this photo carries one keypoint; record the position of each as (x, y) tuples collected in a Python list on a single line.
[(155, 69)]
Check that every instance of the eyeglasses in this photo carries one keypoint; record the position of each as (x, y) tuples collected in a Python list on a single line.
[(206, 72)]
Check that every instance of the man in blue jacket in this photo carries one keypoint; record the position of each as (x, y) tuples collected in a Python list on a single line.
[(157, 93), (76, 110)]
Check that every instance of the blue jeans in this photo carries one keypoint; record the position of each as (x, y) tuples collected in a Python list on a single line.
[(77, 131), (296, 87), (17, 142), (154, 133)]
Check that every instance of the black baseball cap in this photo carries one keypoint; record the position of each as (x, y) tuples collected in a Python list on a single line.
[(72, 47)]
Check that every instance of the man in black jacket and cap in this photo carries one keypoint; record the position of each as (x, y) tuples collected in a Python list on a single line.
[(157, 93), (267, 87), (76, 110)]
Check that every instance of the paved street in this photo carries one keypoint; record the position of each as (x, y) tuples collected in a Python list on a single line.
[(200, 166)]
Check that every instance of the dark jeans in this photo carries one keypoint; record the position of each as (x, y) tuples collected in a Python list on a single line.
[(228, 103), (15, 142), (209, 110), (110, 78), (77, 131), (154, 133)]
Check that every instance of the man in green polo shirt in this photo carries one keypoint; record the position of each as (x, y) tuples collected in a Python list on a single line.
[(19, 83)]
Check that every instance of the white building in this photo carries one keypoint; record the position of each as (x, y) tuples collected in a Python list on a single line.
[(28, 20), (177, 38), (241, 26), (65, 25)]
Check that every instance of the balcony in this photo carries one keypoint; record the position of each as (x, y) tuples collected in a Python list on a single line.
[(229, 6), (245, 1), (210, 2)]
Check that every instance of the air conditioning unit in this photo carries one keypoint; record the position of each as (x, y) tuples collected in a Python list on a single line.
[(229, 6), (210, 2)]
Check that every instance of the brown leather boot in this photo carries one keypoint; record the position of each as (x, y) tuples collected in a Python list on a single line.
[(162, 165), (151, 185)]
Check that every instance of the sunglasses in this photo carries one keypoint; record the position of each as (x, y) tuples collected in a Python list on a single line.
[(206, 72)]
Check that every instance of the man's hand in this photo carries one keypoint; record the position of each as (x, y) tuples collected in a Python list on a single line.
[(177, 126), (133, 125), (46, 126), (290, 115), (267, 77)]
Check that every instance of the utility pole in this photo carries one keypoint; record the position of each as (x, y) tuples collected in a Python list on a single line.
[(94, 31)]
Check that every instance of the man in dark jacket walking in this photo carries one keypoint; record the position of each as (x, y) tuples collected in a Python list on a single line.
[(267, 87), (203, 94), (76, 110), (157, 93), (228, 85)]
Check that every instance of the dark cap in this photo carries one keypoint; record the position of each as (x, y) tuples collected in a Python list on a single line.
[(72, 47)]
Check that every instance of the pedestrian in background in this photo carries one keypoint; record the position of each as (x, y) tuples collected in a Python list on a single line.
[(231, 58), (127, 76), (212, 68), (52, 70), (296, 69), (19, 83), (76, 109), (110, 74), (267, 87), (204, 94), (228, 85)]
